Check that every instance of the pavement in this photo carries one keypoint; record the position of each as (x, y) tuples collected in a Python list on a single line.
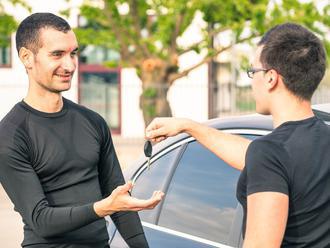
[(11, 227)]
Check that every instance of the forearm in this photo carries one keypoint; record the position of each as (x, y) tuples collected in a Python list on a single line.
[(231, 148), (48, 222), (130, 228), (52, 222), (25, 191), (103, 208)]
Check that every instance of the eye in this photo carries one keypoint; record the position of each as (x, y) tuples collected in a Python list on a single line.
[(57, 54), (74, 53)]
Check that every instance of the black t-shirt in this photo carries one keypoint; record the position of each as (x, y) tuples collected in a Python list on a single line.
[(295, 160), (54, 166)]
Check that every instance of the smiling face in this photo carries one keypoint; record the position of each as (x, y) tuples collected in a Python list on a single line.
[(52, 67)]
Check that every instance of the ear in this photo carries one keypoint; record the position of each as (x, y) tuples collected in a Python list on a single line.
[(26, 56), (272, 79)]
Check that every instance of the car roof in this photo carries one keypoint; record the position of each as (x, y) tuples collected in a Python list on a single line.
[(253, 121), (322, 111), (245, 122), (324, 107)]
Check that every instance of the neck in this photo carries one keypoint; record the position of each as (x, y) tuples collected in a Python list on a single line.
[(292, 109), (48, 103)]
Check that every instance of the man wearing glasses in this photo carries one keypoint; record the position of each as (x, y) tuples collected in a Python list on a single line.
[(284, 183)]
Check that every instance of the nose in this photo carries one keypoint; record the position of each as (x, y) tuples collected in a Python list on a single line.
[(69, 63)]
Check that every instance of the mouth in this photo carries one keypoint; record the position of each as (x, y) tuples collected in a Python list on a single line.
[(64, 77)]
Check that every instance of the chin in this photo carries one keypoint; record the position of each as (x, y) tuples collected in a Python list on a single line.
[(60, 89), (64, 86), (262, 111)]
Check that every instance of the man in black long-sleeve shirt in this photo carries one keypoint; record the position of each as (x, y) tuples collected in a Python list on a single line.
[(57, 160)]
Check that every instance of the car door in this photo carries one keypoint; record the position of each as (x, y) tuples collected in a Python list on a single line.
[(165, 170), (200, 207), (200, 200)]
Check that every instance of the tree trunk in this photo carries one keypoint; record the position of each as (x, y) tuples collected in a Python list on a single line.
[(153, 100)]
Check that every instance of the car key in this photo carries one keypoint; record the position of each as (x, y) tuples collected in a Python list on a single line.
[(148, 152)]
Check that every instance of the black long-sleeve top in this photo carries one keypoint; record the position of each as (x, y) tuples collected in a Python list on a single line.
[(54, 166)]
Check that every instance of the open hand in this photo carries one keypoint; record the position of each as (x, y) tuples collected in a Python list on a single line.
[(120, 200)]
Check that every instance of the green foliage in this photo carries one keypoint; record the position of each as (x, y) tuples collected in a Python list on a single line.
[(327, 49), (7, 26), (142, 29), (66, 13), (149, 93), (111, 64), (8, 23), (21, 3), (150, 28), (89, 36), (245, 63), (150, 111), (148, 103)]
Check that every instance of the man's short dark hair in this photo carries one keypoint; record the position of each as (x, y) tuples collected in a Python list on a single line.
[(297, 54), (28, 31)]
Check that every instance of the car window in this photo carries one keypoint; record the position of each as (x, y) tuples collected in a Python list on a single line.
[(154, 179), (201, 199)]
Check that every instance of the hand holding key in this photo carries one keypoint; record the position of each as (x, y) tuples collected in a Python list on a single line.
[(148, 151)]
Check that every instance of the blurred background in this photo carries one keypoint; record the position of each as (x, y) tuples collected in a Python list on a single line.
[(142, 59)]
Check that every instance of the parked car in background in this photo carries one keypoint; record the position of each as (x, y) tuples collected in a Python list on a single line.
[(200, 207)]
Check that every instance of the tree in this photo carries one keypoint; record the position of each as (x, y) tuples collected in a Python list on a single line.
[(8, 23), (145, 34)]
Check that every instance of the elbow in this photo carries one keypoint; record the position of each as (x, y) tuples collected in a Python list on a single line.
[(44, 232), (44, 225), (44, 235)]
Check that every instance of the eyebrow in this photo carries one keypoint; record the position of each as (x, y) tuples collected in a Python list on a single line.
[(63, 51), (76, 49)]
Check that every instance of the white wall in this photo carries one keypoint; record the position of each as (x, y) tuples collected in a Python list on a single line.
[(132, 124), (188, 97)]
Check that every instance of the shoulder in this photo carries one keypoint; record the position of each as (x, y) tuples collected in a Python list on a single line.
[(87, 113), (14, 120), (267, 167), (13, 130), (81, 109), (15, 116), (94, 119), (266, 154), (266, 145)]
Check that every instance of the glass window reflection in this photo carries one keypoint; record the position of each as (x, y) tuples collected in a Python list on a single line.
[(5, 56), (99, 91), (154, 179), (201, 198)]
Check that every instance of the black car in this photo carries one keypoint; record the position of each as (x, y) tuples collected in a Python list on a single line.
[(200, 208)]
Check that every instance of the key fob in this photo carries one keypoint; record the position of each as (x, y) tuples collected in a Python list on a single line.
[(148, 149)]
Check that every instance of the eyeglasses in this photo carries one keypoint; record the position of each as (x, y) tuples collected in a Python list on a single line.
[(250, 71)]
